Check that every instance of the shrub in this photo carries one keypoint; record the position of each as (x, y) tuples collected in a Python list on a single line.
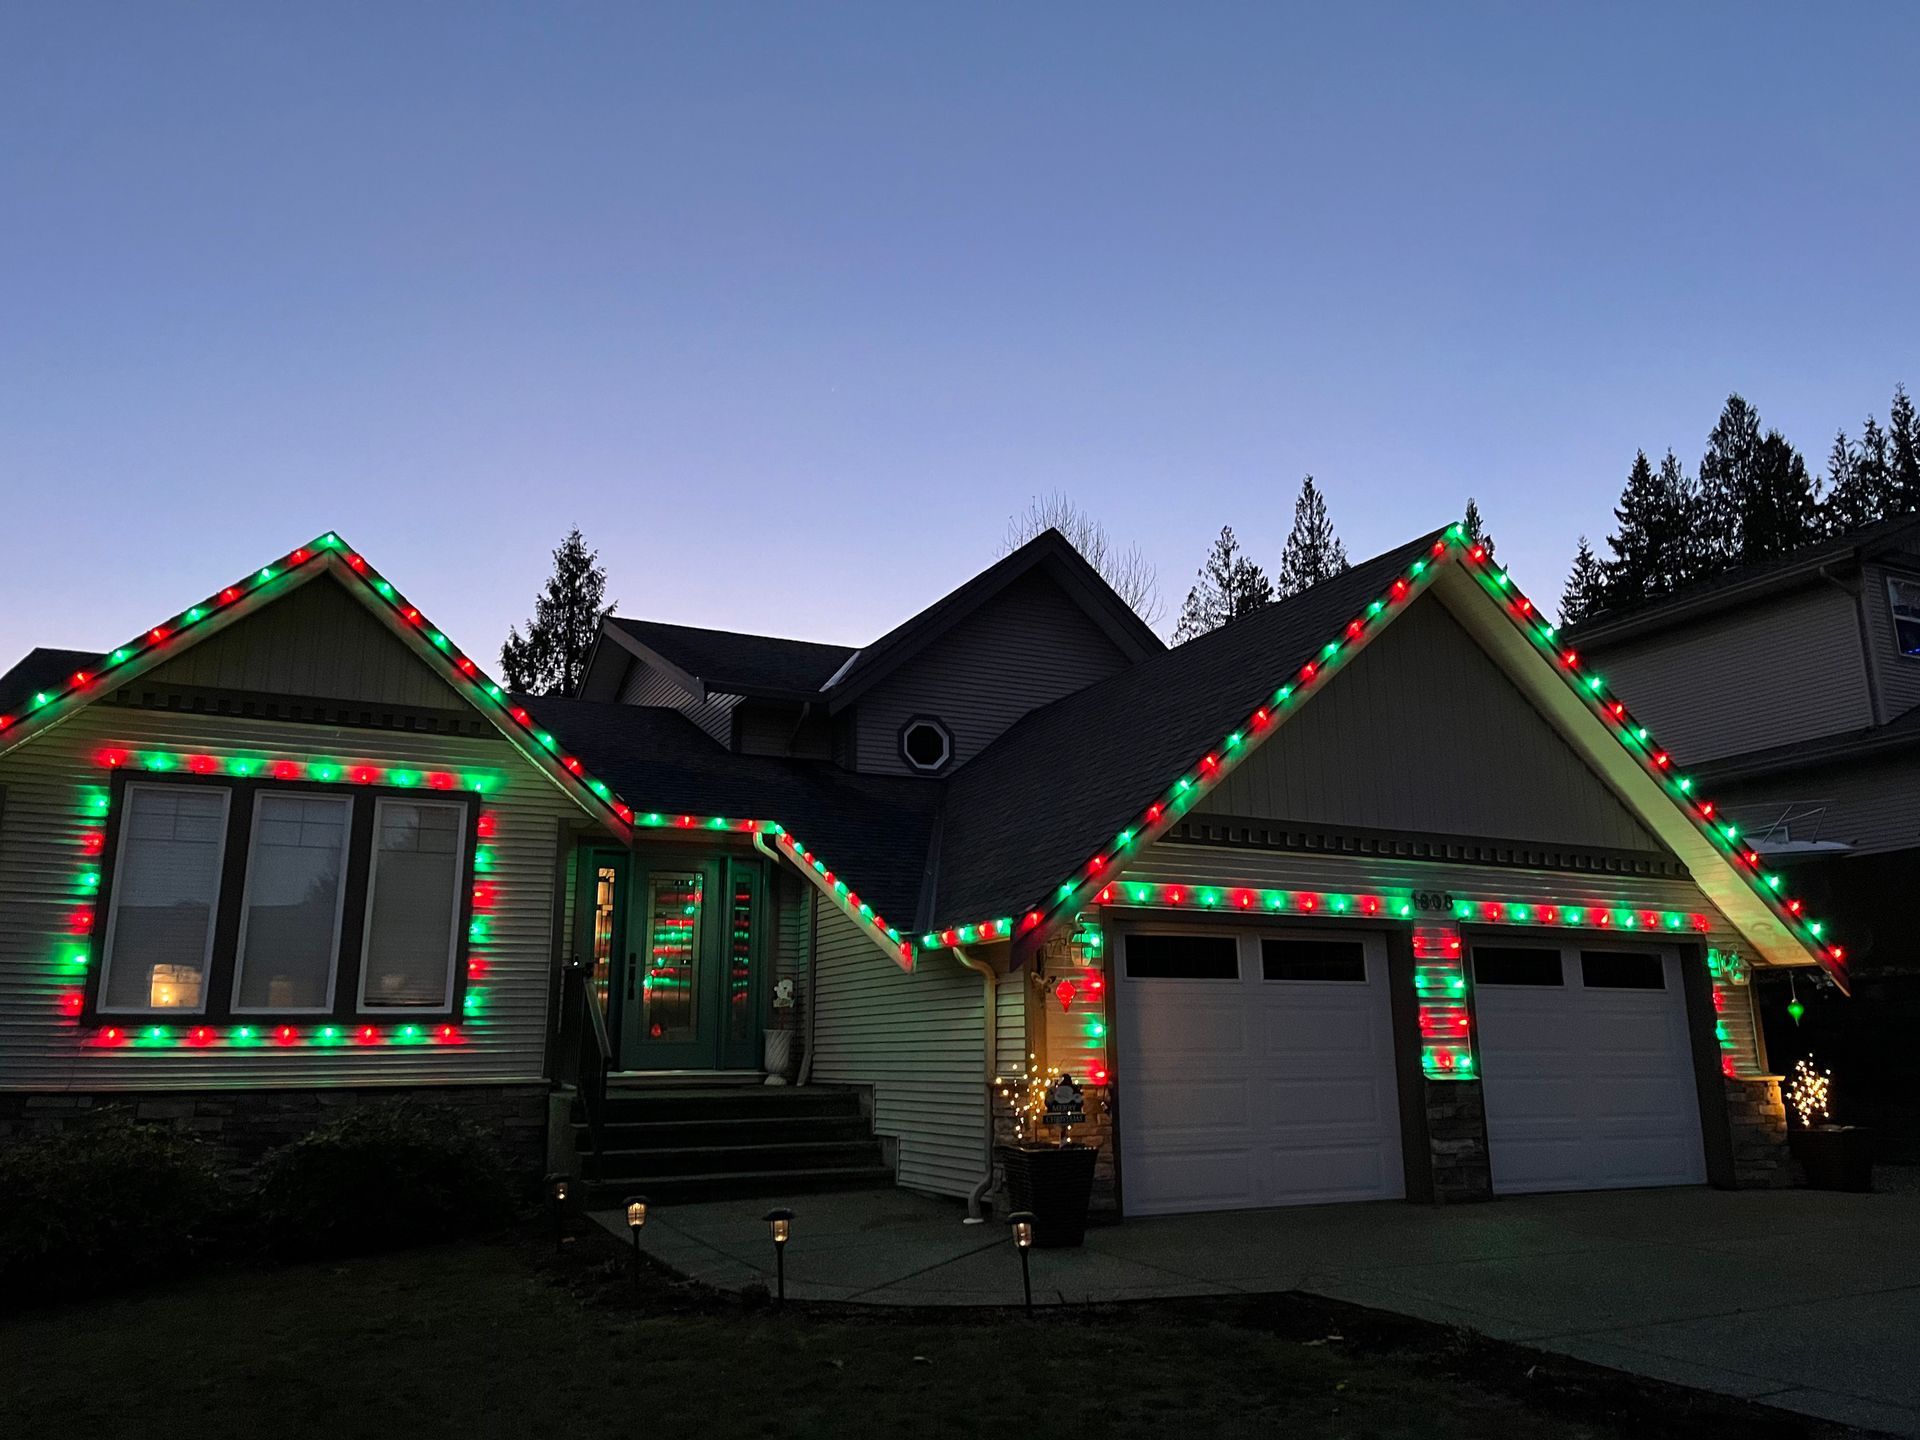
[(102, 1204), (386, 1174)]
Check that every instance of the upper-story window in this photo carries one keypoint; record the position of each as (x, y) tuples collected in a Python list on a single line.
[(926, 744), (1904, 597)]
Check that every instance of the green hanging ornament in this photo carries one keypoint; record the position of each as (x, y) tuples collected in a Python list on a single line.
[(1794, 1007)]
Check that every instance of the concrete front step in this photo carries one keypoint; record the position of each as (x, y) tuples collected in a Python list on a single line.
[(740, 1159), (736, 1103), (677, 1134), (611, 1189)]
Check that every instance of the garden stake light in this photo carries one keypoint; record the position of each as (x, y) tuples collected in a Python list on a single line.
[(557, 1192), (636, 1221), (1022, 1223), (782, 1223)]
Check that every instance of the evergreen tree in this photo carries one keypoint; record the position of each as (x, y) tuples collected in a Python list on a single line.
[(1727, 478), (1476, 528), (1586, 591), (1860, 481), (1903, 445), (1845, 506), (551, 659), (1653, 550), (1229, 586), (1313, 552), (1781, 510)]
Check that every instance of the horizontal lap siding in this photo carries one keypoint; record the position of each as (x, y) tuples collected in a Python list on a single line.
[(648, 685), (1010, 1022), (1897, 675), (1026, 648), (1872, 804), (40, 828), (915, 1038), (1772, 672)]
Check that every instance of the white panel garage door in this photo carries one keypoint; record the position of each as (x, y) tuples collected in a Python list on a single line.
[(1587, 1069), (1255, 1071)]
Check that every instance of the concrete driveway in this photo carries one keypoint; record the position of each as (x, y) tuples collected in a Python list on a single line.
[(1801, 1299)]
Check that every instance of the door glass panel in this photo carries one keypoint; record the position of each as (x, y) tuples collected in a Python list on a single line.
[(668, 1007), (606, 887), (740, 958)]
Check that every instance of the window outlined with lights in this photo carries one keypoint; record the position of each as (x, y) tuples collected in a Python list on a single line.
[(221, 832)]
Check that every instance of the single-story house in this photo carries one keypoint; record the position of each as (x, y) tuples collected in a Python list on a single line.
[(1378, 892)]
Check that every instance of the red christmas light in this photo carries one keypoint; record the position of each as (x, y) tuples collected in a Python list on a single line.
[(72, 1003), (286, 1035), (286, 770), (200, 1035)]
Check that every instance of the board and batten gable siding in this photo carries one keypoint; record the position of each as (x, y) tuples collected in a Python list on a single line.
[(1896, 676), (1423, 733), (1778, 669), (314, 641), (1193, 865), (40, 856), (646, 684), (1025, 648), (914, 1037)]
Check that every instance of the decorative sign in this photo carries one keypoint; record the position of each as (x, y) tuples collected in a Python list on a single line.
[(1066, 1104)]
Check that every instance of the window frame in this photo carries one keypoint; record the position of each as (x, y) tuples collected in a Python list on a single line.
[(939, 726), (112, 858), (1894, 613), (1231, 939), (219, 990), (462, 904), (293, 791)]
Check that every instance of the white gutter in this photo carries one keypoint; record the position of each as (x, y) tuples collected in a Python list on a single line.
[(985, 971)]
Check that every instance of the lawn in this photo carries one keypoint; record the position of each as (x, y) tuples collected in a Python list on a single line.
[(504, 1339)]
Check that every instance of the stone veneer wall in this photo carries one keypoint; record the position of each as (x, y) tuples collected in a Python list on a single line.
[(1757, 1116), (1457, 1141), (242, 1125)]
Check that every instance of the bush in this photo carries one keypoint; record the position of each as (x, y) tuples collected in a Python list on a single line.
[(102, 1204), (387, 1174)]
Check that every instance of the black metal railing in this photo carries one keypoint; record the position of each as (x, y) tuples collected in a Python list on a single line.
[(585, 1053)]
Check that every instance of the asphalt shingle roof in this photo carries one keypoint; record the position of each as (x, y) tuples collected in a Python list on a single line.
[(39, 669), (736, 664)]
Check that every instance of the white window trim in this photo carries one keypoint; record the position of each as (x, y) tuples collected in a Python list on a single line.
[(1893, 619), (460, 881), (119, 889), (246, 890)]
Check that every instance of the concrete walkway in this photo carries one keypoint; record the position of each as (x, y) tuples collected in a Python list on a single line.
[(1805, 1300)]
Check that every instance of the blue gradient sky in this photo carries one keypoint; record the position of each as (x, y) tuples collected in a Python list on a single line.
[(788, 307)]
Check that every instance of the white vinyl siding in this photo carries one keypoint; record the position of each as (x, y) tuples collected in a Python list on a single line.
[(915, 1038), (47, 781), (1872, 804), (1023, 649)]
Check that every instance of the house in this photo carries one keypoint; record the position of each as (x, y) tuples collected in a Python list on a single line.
[(1378, 892), (1792, 690)]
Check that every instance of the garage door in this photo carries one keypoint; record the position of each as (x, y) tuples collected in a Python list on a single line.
[(1254, 1070), (1587, 1069)]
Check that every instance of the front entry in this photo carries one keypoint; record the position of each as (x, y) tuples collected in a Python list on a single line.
[(677, 947)]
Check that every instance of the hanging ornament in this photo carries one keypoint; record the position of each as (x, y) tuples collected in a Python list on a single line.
[(1794, 1007), (1064, 993)]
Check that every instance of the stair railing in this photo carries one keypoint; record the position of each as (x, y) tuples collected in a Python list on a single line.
[(586, 1052)]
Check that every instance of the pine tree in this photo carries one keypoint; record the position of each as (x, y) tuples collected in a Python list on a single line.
[(1313, 552), (1727, 480), (1586, 591), (1860, 481), (1781, 509), (551, 659), (1476, 528), (1844, 506), (1903, 444), (1653, 548), (1229, 586)]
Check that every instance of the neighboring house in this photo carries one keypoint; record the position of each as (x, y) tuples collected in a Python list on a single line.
[(1792, 690), (1377, 892)]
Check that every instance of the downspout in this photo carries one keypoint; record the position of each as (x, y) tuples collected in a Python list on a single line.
[(813, 945), (979, 1192)]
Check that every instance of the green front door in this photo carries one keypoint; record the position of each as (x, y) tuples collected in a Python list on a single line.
[(690, 994)]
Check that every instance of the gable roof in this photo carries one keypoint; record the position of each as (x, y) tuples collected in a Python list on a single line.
[(41, 669), (1748, 582), (1050, 552), (33, 714), (730, 663)]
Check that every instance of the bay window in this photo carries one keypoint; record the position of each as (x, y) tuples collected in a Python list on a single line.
[(260, 899)]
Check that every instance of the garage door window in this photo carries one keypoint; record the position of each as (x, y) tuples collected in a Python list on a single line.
[(1183, 957), (1342, 962), (1515, 965), (1622, 970)]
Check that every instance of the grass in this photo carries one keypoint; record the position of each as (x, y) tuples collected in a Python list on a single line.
[(503, 1339)]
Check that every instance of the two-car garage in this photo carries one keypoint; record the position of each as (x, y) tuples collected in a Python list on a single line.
[(1258, 1068)]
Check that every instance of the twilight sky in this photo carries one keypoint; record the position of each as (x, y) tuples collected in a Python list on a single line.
[(788, 307)]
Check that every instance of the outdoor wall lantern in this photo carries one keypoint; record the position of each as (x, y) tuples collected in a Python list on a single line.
[(636, 1222), (782, 1223), (1021, 1222)]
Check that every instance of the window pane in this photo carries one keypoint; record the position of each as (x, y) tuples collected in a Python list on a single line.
[(668, 1009), (290, 917), (1516, 965), (740, 958), (1183, 957), (166, 886), (1622, 970), (1343, 961), (415, 904), (1904, 597)]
